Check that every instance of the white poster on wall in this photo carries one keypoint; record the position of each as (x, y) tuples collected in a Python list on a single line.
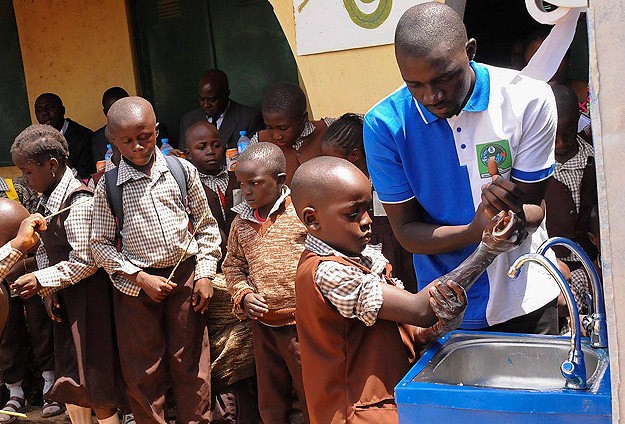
[(330, 25)]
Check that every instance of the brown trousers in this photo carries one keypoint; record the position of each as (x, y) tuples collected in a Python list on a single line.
[(15, 344), (165, 345), (279, 372)]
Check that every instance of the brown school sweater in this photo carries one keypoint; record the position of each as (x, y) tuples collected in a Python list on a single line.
[(263, 259)]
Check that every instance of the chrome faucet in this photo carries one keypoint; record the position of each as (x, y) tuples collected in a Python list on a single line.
[(596, 325), (574, 368)]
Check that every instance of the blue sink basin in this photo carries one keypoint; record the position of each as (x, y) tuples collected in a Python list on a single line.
[(503, 378)]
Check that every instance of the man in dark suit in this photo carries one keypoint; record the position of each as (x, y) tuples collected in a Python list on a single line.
[(218, 109), (49, 110)]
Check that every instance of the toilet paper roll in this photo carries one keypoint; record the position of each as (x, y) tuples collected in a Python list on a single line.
[(545, 62)]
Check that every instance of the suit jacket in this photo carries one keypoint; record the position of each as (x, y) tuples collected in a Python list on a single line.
[(79, 142), (238, 117)]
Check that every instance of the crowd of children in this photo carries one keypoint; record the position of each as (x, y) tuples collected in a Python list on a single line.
[(274, 293)]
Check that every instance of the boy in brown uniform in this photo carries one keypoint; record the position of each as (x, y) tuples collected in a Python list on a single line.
[(162, 337), (265, 243), (354, 351), (288, 126)]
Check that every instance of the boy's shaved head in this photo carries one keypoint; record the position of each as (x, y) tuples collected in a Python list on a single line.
[(316, 178), (201, 127), (268, 154), (284, 98), (429, 26), (129, 109), (12, 214)]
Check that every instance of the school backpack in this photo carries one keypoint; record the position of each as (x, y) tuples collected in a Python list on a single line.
[(114, 193)]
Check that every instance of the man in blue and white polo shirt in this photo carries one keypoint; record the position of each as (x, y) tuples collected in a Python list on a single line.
[(427, 147)]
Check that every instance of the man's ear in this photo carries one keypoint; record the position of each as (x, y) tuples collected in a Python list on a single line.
[(156, 129), (471, 48), (281, 178), (309, 217)]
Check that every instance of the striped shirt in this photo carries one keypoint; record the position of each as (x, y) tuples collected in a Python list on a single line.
[(155, 229), (80, 263), (354, 293)]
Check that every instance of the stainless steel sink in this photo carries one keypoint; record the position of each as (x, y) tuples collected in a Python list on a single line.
[(520, 362)]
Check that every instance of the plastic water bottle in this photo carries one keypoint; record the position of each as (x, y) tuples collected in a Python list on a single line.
[(243, 141), (109, 152), (166, 147)]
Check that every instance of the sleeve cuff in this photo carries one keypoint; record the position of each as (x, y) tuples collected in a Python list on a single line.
[(127, 268), (533, 176), (45, 278), (205, 269)]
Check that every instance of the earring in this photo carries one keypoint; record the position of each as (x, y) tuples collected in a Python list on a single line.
[(53, 174)]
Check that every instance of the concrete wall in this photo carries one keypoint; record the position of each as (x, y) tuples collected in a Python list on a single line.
[(343, 81), (607, 49), (76, 49)]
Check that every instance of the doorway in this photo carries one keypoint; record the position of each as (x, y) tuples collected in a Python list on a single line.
[(176, 41)]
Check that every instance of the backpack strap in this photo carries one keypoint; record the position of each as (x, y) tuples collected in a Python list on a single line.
[(11, 192), (180, 175), (114, 197)]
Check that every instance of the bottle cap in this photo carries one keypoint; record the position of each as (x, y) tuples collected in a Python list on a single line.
[(165, 140), (242, 132), (108, 146)]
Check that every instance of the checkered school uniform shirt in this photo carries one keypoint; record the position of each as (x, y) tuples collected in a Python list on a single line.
[(354, 293), (309, 128), (8, 258), (217, 183), (80, 264), (570, 173), (155, 231), (28, 197)]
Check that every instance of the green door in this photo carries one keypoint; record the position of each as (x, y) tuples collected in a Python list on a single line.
[(14, 111), (175, 41)]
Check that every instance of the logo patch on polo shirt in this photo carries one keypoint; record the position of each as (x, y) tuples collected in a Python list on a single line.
[(500, 150)]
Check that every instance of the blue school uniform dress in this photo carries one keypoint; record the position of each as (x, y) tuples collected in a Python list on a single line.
[(443, 164)]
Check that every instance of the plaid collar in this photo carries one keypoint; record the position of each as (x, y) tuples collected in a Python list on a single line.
[(246, 212), (309, 128), (580, 160), (128, 172), (215, 180), (53, 202), (371, 256), (3, 185)]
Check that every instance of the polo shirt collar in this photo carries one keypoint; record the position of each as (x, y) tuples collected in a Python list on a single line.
[(478, 102)]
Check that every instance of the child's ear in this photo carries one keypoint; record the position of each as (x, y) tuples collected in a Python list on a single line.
[(354, 155), (309, 217), (187, 153), (281, 178), (305, 116), (54, 165)]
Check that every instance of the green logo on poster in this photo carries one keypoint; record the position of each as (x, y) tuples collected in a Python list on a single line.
[(500, 150)]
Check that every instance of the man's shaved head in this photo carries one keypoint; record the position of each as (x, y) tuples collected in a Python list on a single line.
[(429, 26), (12, 214), (317, 178)]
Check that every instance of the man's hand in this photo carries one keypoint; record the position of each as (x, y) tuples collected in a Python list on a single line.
[(202, 294), (27, 236), (53, 307), (26, 286), (156, 287), (255, 305), (501, 194)]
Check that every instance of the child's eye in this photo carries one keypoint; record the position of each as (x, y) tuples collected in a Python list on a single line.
[(352, 216)]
